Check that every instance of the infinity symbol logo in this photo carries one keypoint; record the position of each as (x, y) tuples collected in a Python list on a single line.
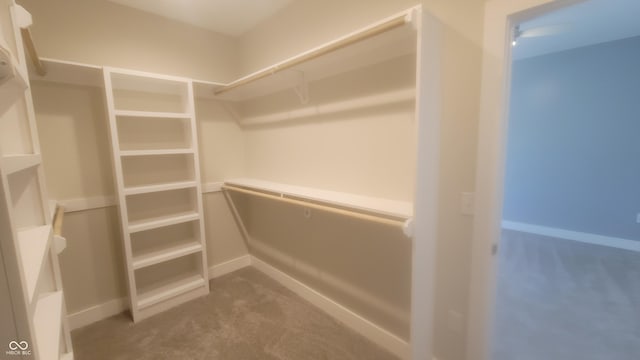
[(22, 345)]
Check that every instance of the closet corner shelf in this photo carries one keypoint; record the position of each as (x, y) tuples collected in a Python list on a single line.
[(33, 246), (47, 321), (169, 288), (157, 256), (162, 221), (14, 163), (155, 152), (151, 114), (160, 187), (386, 207)]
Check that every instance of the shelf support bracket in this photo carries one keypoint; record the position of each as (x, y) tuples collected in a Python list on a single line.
[(302, 87)]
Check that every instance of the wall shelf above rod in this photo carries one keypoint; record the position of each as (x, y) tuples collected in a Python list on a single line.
[(389, 212)]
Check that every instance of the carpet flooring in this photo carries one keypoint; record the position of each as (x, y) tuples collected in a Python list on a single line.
[(246, 316), (565, 300)]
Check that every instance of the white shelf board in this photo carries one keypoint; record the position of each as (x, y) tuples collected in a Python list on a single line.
[(160, 187), (155, 152), (169, 288), (15, 163), (69, 72), (162, 221), (47, 321), (159, 255), (401, 209), (372, 50), (33, 244), (152, 114)]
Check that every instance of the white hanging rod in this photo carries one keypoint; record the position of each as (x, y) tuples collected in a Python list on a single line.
[(30, 46), (358, 215), (372, 31)]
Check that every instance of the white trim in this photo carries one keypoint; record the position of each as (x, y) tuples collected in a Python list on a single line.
[(366, 328), (588, 238), (90, 203), (96, 313), (113, 307), (212, 187), (229, 266)]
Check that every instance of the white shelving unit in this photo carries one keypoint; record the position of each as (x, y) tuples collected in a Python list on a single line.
[(30, 259), (155, 157)]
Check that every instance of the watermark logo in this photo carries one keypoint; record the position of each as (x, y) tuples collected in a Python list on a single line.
[(18, 348)]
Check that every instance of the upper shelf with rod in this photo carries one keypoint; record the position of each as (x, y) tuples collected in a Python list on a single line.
[(389, 38), (384, 40)]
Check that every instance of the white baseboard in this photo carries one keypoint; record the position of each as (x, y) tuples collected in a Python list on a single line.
[(113, 307), (588, 238), (96, 313), (229, 266), (366, 328)]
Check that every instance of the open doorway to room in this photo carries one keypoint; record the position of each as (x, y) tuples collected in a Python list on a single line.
[(569, 259)]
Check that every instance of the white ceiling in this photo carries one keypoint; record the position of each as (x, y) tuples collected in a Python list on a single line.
[(587, 23), (230, 17)]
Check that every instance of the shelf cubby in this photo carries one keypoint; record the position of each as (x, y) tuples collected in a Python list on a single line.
[(167, 243), (134, 91), (157, 169), (153, 133)]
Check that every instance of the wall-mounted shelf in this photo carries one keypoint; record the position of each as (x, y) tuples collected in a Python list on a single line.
[(386, 207), (159, 255), (15, 163), (384, 40)]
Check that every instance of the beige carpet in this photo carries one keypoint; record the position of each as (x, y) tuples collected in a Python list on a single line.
[(246, 316)]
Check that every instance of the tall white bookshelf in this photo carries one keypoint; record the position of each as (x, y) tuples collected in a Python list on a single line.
[(155, 158), (30, 281)]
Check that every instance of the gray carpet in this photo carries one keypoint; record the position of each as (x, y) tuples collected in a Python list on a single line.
[(246, 316), (565, 300)]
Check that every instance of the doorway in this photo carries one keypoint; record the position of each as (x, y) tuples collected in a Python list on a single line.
[(565, 211)]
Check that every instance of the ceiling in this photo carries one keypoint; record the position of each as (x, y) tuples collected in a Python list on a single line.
[(587, 23), (230, 17)]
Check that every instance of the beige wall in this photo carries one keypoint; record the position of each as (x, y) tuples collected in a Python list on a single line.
[(100, 32), (73, 131)]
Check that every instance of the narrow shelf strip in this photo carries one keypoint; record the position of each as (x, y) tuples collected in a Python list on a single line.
[(142, 225), (162, 255), (47, 321), (160, 187), (15, 163), (33, 244), (152, 114), (155, 152), (168, 289)]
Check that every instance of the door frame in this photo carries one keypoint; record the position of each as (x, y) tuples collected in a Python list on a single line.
[(500, 18)]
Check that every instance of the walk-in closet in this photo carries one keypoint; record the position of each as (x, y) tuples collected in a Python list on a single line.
[(251, 180)]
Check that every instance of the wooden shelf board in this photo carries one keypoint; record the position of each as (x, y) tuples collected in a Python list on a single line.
[(152, 114), (33, 244), (402, 209), (169, 288), (47, 321), (155, 152), (14, 163), (160, 187), (159, 255), (162, 221)]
